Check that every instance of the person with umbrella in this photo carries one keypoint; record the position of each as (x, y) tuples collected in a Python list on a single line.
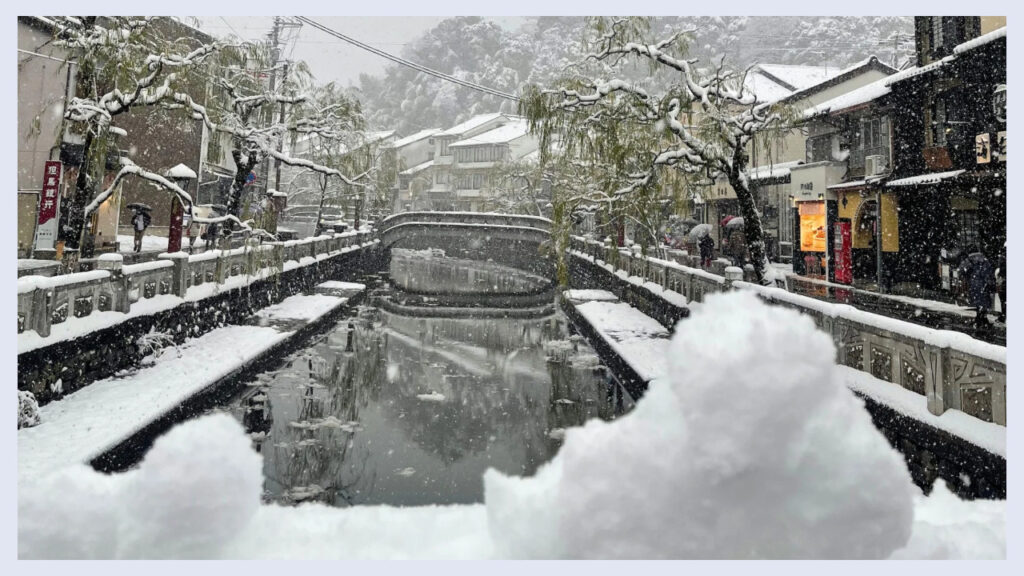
[(979, 282), (702, 234), (140, 221)]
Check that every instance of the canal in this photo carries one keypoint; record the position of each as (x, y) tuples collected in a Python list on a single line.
[(450, 368)]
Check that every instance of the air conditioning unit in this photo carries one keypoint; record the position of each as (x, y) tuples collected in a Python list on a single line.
[(874, 165)]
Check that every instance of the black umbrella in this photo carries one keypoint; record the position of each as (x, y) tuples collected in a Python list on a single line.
[(139, 206)]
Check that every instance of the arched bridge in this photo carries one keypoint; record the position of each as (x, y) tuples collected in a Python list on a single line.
[(514, 239)]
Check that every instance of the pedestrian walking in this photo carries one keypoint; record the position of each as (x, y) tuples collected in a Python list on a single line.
[(707, 248), (190, 230), (140, 221), (978, 280)]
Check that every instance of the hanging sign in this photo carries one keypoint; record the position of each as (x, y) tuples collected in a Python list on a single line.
[(982, 149), (49, 198)]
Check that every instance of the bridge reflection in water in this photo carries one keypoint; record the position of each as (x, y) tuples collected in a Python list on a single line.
[(412, 398)]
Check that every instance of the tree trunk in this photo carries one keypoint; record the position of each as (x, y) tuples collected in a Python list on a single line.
[(242, 169), (751, 224)]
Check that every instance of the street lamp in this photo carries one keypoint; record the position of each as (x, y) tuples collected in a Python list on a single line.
[(180, 175)]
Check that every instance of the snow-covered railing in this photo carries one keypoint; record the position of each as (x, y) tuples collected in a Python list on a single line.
[(479, 218), (45, 301), (951, 369)]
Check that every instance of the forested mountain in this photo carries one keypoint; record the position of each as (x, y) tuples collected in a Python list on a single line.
[(480, 51)]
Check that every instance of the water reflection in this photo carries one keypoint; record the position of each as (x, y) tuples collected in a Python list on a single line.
[(396, 408)]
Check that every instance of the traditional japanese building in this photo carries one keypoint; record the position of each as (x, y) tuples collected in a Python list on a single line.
[(950, 177)]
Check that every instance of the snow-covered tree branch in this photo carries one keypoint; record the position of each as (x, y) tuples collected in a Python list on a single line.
[(703, 121)]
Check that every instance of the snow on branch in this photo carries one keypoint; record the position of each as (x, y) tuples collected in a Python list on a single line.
[(131, 169)]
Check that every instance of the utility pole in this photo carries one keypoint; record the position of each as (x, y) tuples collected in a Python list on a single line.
[(280, 144)]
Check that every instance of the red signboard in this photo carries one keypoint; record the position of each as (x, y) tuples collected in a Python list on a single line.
[(49, 198), (51, 187), (843, 252)]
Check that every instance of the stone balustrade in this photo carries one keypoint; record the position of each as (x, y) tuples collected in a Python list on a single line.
[(951, 369), (114, 286)]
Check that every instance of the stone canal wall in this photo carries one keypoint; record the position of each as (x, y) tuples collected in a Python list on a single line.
[(78, 328)]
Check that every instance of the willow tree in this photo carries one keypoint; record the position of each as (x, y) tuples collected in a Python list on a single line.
[(123, 64), (700, 121), (260, 118)]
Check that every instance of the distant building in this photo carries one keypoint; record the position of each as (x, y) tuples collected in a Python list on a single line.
[(442, 190)]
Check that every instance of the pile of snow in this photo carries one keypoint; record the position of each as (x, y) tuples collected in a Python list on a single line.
[(28, 410), (777, 459), (197, 488)]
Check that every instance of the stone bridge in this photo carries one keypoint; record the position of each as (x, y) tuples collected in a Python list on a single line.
[(517, 240)]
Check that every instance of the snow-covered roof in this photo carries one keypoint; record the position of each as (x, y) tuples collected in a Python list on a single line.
[(851, 184), (870, 61), (468, 125), (415, 137), (932, 178), (769, 172), (765, 89), (417, 168), (980, 40), (774, 82), (180, 171), (515, 129), (797, 77), (372, 137)]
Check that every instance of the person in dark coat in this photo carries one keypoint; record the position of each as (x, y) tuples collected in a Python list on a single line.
[(707, 247), (978, 280)]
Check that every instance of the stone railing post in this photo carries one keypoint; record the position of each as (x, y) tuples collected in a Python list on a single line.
[(938, 379), (118, 281), (179, 274), (41, 313), (732, 274)]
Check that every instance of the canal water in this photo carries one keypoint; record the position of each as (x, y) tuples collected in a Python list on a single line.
[(409, 399)]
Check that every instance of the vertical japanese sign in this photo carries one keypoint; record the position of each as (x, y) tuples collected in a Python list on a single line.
[(46, 230)]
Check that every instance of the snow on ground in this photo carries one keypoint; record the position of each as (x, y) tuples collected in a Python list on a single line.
[(153, 243), (987, 435), (337, 285), (639, 339), (582, 295), (301, 307), (774, 461), (744, 450), (86, 423)]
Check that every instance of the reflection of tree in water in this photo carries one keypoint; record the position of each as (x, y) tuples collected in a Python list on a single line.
[(316, 459), (485, 398)]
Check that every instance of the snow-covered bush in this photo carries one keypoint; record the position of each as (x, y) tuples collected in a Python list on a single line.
[(28, 409), (753, 448)]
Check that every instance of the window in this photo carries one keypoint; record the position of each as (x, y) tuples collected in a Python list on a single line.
[(936, 33), (444, 148), (430, 156), (819, 148), (874, 132)]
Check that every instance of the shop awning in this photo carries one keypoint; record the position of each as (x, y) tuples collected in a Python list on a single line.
[(924, 179)]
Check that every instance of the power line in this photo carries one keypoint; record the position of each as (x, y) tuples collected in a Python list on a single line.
[(230, 26), (404, 62)]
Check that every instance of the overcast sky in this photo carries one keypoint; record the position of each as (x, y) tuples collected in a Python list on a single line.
[(330, 58)]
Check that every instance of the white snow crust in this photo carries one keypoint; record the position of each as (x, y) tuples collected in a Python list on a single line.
[(775, 461)]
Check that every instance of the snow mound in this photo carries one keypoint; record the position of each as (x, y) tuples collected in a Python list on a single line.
[(775, 460), (28, 410), (197, 488), (948, 528)]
